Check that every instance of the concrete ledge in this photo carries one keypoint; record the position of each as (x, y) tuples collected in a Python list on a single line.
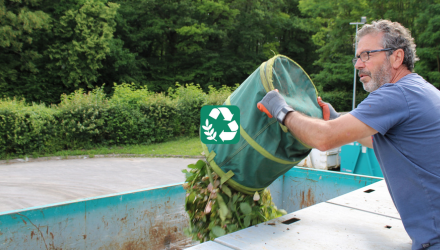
[(69, 157)]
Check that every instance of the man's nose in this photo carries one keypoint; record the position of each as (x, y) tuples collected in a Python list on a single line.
[(359, 64)]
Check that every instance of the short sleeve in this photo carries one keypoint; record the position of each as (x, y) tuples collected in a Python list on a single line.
[(383, 109)]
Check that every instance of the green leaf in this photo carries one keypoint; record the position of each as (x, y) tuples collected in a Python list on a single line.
[(226, 190), (187, 231), (223, 208), (247, 220), (191, 197), (269, 210), (200, 164), (225, 197), (191, 178), (234, 198), (188, 175), (255, 221), (218, 231), (232, 206), (231, 228), (223, 212), (245, 208), (255, 209)]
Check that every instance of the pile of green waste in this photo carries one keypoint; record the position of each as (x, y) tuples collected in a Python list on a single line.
[(215, 209)]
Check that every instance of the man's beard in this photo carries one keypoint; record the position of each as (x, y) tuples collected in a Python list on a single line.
[(377, 79)]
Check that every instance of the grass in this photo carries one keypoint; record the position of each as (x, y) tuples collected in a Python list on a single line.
[(183, 146)]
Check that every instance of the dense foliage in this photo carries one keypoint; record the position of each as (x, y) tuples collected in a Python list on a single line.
[(215, 209), (82, 120), (48, 48)]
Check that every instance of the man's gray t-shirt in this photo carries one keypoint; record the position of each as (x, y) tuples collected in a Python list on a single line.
[(407, 116)]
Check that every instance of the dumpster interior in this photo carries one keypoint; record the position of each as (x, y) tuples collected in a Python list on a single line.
[(154, 218)]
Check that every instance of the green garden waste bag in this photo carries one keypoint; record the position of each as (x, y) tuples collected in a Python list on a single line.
[(266, 149)]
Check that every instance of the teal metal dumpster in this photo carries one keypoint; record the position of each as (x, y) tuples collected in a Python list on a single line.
[(358, 159), (151, 218)]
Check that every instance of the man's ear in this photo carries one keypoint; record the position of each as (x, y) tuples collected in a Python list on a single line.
[(397, 58)]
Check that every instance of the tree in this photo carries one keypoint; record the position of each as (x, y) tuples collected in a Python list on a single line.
[(335, 38), (19, 21), (295, 35), (50, 48), (428, 25), (82, 40)]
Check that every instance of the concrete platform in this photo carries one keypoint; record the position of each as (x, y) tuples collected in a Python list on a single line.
[(30, 184), (374, 198), (356, 220), (211, 245)]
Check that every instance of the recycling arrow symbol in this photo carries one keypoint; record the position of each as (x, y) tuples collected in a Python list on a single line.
[(228, 116)]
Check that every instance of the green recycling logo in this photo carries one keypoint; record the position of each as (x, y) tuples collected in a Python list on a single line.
[(220, 124)]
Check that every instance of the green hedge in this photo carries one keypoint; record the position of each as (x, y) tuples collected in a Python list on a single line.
[(83, 120), (25, 129), (130, 116)]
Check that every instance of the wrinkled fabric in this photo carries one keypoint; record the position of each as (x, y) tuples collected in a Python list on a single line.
[(406, 115), (252, 169)]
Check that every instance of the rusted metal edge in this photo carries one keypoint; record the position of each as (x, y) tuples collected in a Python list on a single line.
[(341, 173), (88, 199)]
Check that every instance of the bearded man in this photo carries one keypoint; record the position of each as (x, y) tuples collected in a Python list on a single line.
[(400, 119)]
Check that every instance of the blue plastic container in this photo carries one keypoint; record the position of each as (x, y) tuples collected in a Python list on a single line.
[(358, 159)]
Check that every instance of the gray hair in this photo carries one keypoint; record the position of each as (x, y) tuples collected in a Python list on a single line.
[(395, 36)]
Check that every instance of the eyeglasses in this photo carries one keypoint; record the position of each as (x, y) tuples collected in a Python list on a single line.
[(365, 56)]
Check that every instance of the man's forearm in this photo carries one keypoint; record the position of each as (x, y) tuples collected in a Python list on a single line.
[(325, 135), (317, 133), (311, 131)]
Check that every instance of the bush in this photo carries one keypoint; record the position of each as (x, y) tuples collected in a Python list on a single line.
[(125, 122), (138, 116), (189, 100), (126, 126), (219, 96), (82, 120), (25, 129), (163, 118), (129, 94)]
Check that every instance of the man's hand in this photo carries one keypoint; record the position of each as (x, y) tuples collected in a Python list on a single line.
[(328, 112), (274, 105)]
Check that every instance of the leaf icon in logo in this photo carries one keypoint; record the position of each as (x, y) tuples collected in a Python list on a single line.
[(209, 132)]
